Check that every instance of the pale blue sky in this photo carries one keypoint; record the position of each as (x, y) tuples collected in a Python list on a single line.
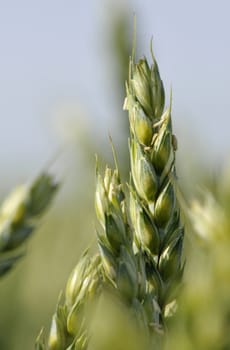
[(54, 54)]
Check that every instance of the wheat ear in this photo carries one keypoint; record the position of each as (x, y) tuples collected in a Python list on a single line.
[(69, 326), (154, 212), (19, 215), (140, 240)]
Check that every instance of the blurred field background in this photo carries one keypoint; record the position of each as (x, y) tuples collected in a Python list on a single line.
[(62, 87)]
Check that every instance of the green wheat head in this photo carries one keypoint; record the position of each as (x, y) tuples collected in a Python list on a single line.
[(19, 216), (154, 211), (139, 234)]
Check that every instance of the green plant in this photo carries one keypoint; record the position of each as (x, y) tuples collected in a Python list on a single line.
[(129, 295), (19, 216), (140, 235), (154, 210)]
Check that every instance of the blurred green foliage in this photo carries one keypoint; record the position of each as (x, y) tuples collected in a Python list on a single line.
[(28, 295), (203, 321)]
